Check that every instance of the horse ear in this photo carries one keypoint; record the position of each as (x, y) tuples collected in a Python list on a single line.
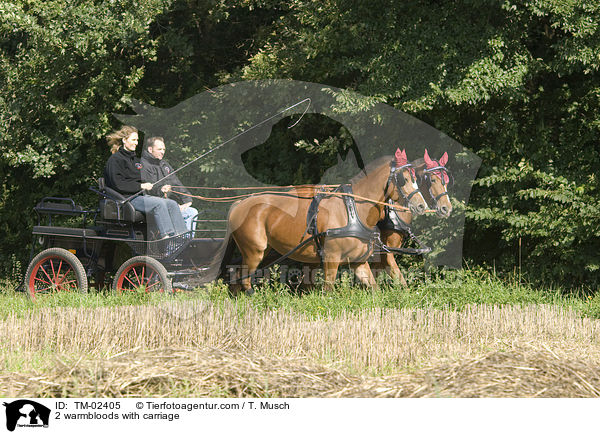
[(427, 159), (398, 157), (444, 159)]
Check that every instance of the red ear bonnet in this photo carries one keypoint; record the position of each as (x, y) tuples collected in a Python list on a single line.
[(400, 158), (428, 161), (432, 163)]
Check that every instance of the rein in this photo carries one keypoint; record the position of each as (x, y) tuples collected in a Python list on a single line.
[(282, 193)]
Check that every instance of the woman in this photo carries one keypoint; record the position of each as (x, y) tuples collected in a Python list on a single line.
[(123, 173)]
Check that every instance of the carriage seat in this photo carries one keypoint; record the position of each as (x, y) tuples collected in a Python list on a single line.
[(113, 206)]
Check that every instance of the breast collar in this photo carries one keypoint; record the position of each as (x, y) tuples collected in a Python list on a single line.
[(392, 221)]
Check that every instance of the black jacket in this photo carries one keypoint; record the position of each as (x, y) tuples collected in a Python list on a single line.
[(123, 172), (154, 169)]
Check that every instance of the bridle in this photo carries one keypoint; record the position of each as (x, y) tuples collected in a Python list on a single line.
[(426, 177), (399, 181)]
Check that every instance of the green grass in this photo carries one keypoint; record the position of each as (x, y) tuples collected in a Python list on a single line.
[(13, 302), (447, 289)]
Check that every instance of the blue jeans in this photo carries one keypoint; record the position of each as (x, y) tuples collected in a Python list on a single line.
[(165, 214), (188, 217)]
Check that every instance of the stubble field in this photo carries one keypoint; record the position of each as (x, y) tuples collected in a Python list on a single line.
[(349, 343)]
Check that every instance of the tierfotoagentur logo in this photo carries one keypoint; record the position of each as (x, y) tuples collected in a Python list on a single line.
[(210, 139), (25, 413)]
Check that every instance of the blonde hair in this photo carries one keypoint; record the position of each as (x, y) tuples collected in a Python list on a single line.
[(115, 139)]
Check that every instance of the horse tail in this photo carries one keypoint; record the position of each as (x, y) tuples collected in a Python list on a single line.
[(224, 254)]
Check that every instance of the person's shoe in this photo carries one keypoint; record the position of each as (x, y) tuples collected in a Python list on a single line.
[(181, 285)]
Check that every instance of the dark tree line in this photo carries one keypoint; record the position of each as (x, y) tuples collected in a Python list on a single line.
[(516, 82)]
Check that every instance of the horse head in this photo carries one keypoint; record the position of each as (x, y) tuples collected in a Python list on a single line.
[(434, 178), (402, 174)]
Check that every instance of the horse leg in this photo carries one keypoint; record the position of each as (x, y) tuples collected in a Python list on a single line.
[(253, 251), (364, 274), (393, 239), (330, 269), (251, 259), (394, 270)]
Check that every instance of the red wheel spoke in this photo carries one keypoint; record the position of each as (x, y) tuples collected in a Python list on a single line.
[(68, 282), (42, 280), (64, 277), (59, 267), (132, 284), (42, 289), (46, 273), (155, 283), (143, 271), (150, 280), (54, 277), (136, 276)]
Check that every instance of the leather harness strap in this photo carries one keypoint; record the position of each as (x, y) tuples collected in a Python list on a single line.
[(355, 228)]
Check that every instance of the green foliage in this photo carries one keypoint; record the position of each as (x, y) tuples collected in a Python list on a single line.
[(454, 289), (443, 289), (515, 81), (64, 66), (299, 155)]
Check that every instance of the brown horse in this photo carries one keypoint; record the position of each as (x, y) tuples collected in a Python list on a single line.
[(279, 221), (433, 180)]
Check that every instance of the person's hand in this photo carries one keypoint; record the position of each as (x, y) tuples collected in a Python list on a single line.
[(165, 188), (146, 186), (185, 206)]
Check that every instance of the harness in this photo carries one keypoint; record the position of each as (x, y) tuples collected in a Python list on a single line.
[(355, 228), (393, 222)]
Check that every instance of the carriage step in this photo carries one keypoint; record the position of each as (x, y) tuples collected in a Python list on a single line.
[(65, 232)]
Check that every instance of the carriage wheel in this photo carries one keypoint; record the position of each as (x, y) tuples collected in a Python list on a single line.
[(142, 274), (54, 270)]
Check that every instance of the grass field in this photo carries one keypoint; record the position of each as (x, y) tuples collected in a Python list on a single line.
[(464, 333)]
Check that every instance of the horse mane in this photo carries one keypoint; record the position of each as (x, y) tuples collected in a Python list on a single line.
[(370, 167), (418, 164)]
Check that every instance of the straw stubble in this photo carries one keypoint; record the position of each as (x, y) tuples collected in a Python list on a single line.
[(197, 349)]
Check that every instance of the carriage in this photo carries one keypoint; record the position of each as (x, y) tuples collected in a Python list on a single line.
[(79, 247), (114, 240)]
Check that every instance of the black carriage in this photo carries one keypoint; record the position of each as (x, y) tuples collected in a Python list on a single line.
[(77, 247)]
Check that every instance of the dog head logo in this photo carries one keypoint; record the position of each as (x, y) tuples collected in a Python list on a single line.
[(208, 134), (26, 413)]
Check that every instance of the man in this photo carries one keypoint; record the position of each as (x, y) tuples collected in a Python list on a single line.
[(155, 168)]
